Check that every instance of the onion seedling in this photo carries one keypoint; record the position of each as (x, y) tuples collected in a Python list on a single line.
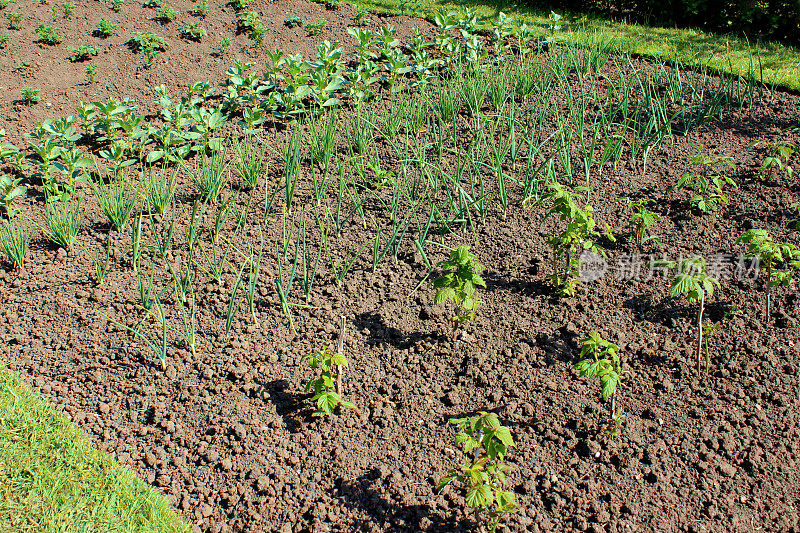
[(14, 242)]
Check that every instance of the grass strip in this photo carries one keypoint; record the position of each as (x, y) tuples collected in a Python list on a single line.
[(53, 479), (774, 64)]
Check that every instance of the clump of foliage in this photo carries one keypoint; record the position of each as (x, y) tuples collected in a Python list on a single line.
[(149, 44), (250, 23), (599, 358), (578, 236), (778, 154), (709, 181), (316, 27), (152, 3), (200, 9), (330, 365), (14, 21), (360, 17), (29, 95), (10, 189), (293, 22), (48, 34), (779, 259), (224, 45), (193, 31), (485, 443), (4, 40), (81, 53), (166, 15), (116, 5), (105, 28), (459, 284), (642, 220)]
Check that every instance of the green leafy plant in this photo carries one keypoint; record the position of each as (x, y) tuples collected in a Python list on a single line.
[(15, 238), (691, 280), (193, 31), (117, 201), (250, 23), (200, 9), (642, 220), (48, 34), (778, 154), (709, 182), (360, 17), (485, 443), (4, 40), (293, 22), (10, 189), (578, 236), (81, 53), (91, 73), (14, 21), (116, 5), (326, 396), (152, 3), (779, 259), (149, 44), (166, 15), (105, 28), (599, 358), (29, 95), (459, 285), (709, 330), (4, 3), (316, 27), (333, 4), (224, 46), (67, 9)]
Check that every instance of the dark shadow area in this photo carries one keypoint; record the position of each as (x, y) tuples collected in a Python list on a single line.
[(380, 333), (364, 494), (291, 406)]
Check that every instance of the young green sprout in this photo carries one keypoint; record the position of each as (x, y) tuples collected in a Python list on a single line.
[(331, 366), (459, 285), (691, 280), (780, 260), (642, 220), (778, 154), (600, 359), (485, 443)]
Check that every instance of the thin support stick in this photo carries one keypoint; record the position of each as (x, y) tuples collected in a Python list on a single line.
[(340, 350)]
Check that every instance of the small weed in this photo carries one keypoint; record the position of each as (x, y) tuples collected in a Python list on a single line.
[(116, 5), (4, 40), (316, 27), (67, 9)]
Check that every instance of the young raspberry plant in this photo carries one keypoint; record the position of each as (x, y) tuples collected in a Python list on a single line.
[(780, 260), (459, 284), (485, 443), (691, 280), (778, 154), (600, 359), (642, 220), (709, 181), (330, 365)]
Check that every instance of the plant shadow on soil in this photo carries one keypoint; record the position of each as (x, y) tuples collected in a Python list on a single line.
[(361, 493), (381, 333), (292, 407)]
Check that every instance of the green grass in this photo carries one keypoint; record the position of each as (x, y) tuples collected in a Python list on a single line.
[(52, 479), (779, 64)]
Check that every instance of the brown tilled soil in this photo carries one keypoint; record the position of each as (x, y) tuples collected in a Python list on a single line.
[(227, 434)]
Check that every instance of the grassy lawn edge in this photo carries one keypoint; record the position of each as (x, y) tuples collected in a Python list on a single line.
[(775, 64), (53, 479)]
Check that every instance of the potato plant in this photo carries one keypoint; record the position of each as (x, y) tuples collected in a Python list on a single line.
[(485, 443)]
